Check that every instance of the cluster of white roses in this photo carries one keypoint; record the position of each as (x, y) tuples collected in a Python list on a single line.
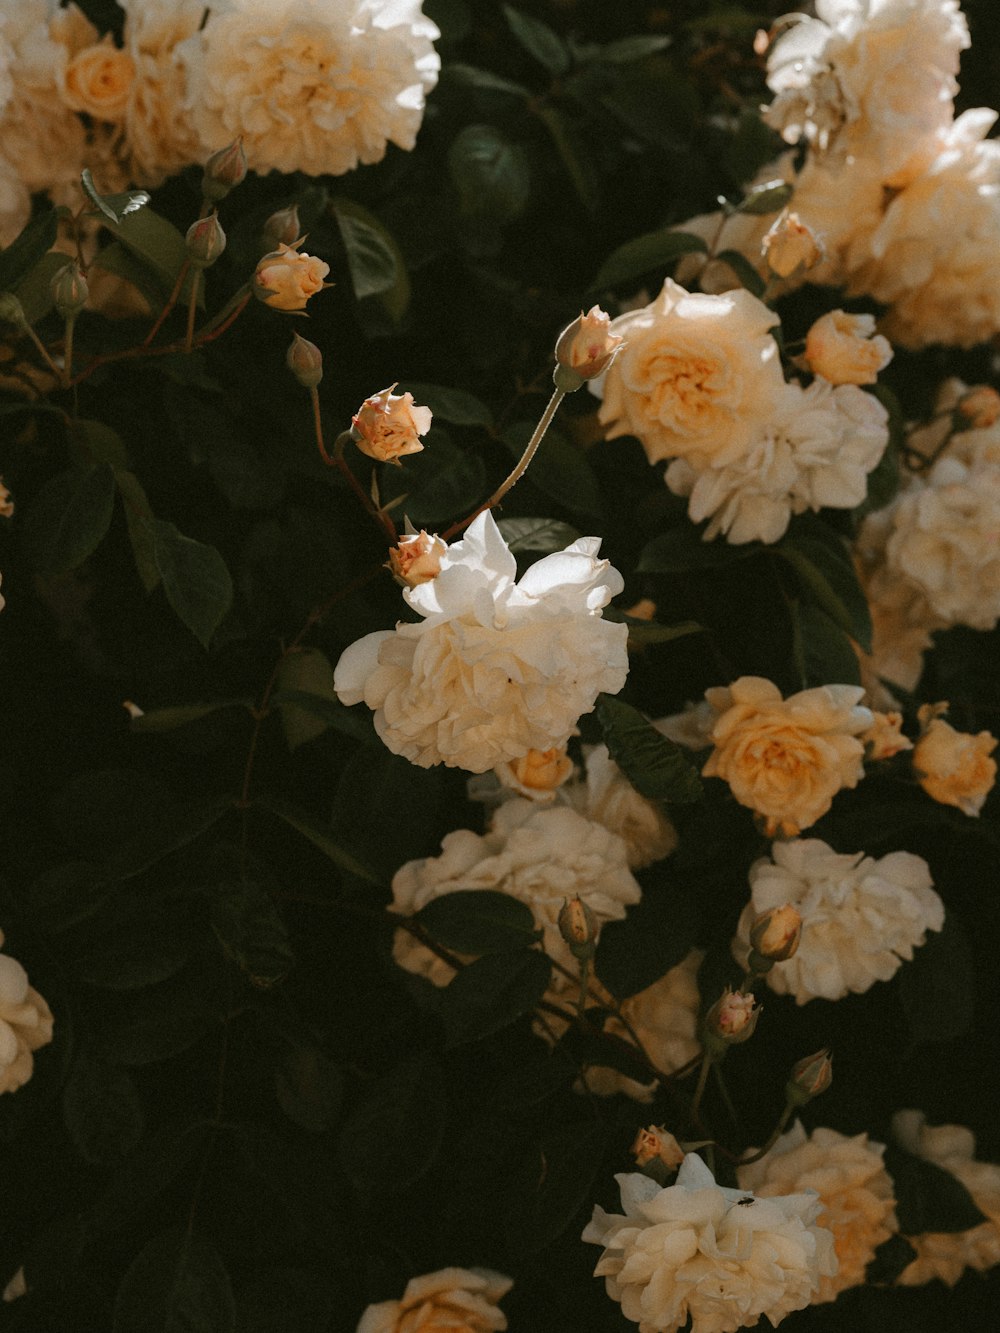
[(310, 85), (699, 382), (904, 197)]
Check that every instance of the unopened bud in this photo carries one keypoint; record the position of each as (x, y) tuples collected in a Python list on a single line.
[(730, 1020), (790, 245), (774, 937), (585, 349), (224, 170), (282, 228), (305, 361), (578, 927), (12, 311), (809, 1078), (205, 241), (69, 290), (657, 1144), (979, 408), (417, 558)]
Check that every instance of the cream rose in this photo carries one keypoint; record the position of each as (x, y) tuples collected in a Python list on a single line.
[(388, 426), (607, 796), (416, 558), (718, 1256), (98, 80), (496, 667), (787, 758), (460, 1299), (538, 775), (845, 349), (854, 1189), (955, 767), (311, 87), (25, 1024), (286, 278), (159, 137), (696, 377), (861, 917)]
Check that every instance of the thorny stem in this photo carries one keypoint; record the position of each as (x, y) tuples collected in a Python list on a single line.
[(192, 309), (318, 425), (171, 302), (379, 515), (519, 470)]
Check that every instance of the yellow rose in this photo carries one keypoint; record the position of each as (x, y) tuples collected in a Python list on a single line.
[(98, 80), (285, 279), (954, 767), (787, 758)]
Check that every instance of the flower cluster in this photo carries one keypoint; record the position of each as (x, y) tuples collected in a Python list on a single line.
[(25, 1024)]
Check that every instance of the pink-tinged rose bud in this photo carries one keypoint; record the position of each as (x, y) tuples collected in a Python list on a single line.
[(585, 349), (884, 738), (417, 558), (224, 170), (732, 1018), (809, 1077), (775, 935), (657, 1144), (6, 502), (954, 767), (305, 361), (285, 279), (387, 426), (845, 349), (578, 927), (205, 241), (69, 290), (282, 228), (790, 246), (979, 408)]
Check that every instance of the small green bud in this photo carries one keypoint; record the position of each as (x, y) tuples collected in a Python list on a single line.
[(809, 1078), (205, 241), (224, 170), (305, 361), (282, 228), (69, 290)]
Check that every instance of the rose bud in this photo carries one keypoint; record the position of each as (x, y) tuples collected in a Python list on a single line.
[(578, 927), (732, 1018), (417, 558), (285, 279), (955, 767), (657, 1144), (790, 245), (282, 228), (979, 408), (537, 774), (205, 241), (388, 426), (305, 361), (224, 170), (845, 349), (12, 311), (809, 1077), (69, 290), (585, 349), (774, 937), (884, 738)]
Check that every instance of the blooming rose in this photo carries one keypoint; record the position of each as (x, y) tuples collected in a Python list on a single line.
[(845, 349), (417, 557), (98, 79), (954, 767), (460, 1299), (541, 855), (587, 347), (860, 916), (854, 1189), (496, 667), (387, 426), (787, 758), (719, 1256), (159, 136), (538, 775), (696, 376), (946, 1255), (884, 738), (286, 278), (311, 86), (25, 1024)]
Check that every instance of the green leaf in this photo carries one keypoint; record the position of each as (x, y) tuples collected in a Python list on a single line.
[(656, 767), (34, 290), (745, 271), (937, 987), (827, 657), (139, 953), (681, 550), (158, 243), (439, 484), (65, 895), (928, 1198), (68, 518), (560, 469), (320, 837), (555, 1182), (252, 932), (119, 261), (158, 720), (573, 153), (394, 1132), (96, 442), (492, 993), (478, 921), (453, 405), (658, 933), (643, 632), (307, 673), (626, 50), (309, 1088), (545, 535), (139, 520), (162, 1021), (374, 259), (23, 253), (355, 722), (195, 579), (102, 1111), (825, 572), (175, 829), (650, 252), (484, 80), (146, 1173), (768, 198), (176, 1284), (538, 40), (490, 174), (114, 207)]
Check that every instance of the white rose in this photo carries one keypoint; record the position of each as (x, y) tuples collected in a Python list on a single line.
[(25, 1024), (496, 667), (461, 1299), (854, 1189), (861, 917), (159, 137), (607, 796), (311, 87), (718, 1256)]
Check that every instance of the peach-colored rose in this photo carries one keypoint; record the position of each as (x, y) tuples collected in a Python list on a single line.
[(656, 1144), (463, 1300), (884, 738), (775, 934), (845, 349), (286, 278), (538, 774), (417, 558), (787, 758), (6, 503), (954, 767), (790, 246), (587, 346), (388, 426), (98, 80), (980, 407), (733, 1017)]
